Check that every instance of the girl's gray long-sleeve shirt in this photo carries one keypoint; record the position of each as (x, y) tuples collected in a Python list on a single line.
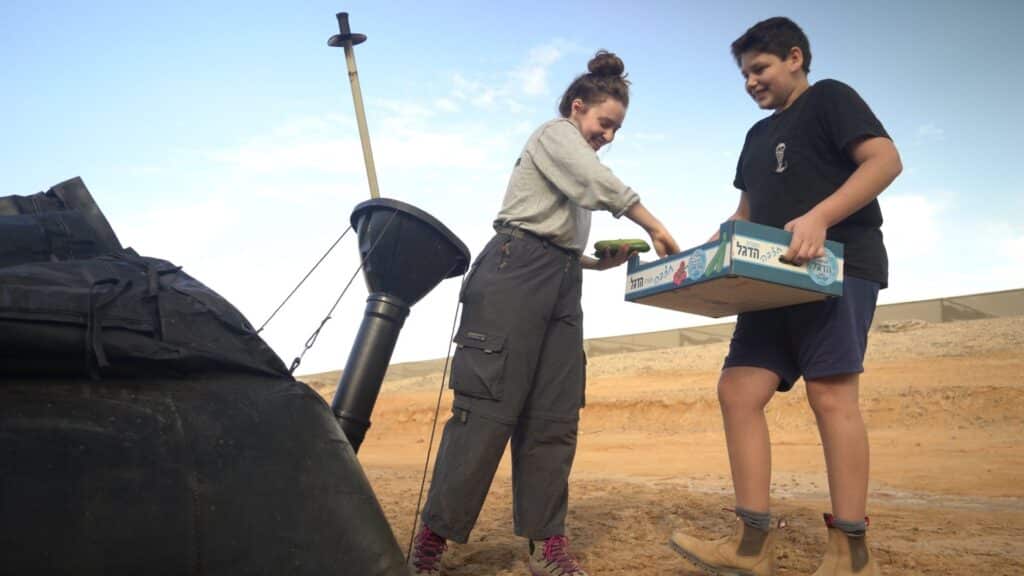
[(556, 183)]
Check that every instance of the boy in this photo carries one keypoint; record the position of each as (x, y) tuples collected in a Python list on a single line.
[(814, 167)]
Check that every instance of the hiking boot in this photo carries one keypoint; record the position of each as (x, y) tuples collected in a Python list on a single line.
[(427, 549), (551, 558), (846, 555), (746, 552)]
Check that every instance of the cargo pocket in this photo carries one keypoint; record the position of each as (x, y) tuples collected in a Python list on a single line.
[(478, 367)]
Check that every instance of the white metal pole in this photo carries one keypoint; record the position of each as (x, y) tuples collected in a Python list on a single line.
[(347, 39)]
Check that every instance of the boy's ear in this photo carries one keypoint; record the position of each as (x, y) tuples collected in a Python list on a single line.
[(795, 58)]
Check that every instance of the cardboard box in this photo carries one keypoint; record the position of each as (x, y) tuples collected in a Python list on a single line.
[(739, 273)]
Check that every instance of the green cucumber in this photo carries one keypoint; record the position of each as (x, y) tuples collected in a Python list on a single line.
[(608, 247)]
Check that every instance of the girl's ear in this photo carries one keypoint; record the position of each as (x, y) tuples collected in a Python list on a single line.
[(578, 106)]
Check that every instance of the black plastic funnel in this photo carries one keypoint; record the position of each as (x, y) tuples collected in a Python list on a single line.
[(407, 253), (412, 251)]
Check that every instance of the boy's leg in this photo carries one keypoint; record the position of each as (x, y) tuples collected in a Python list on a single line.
[(759, 363), (832, 341), (845, 441), (743, 393)]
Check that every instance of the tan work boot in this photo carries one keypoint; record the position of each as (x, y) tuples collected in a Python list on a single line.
[(846, 555), (746, 552)]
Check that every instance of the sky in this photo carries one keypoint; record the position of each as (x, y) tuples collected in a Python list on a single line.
[(221, 135)]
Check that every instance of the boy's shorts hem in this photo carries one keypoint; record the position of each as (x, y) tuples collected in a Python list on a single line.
[(786, 380), (832, 373)]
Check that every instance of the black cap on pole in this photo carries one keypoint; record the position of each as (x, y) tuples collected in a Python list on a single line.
[(344, 33)]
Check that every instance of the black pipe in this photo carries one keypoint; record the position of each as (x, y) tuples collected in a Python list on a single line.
[(367, 363)]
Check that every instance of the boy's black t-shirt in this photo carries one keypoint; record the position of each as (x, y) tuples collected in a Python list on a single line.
[(796, 158)]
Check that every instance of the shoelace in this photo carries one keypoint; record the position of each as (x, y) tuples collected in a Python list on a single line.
[(556, 552), (428, 550)]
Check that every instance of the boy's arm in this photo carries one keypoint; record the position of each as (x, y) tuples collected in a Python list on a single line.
[(878, 164), (742, 209), (742, 213)]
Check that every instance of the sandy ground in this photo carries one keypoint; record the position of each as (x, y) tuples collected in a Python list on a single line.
[(944, 405)]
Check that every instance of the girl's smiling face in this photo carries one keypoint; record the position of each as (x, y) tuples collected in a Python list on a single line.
[(598, 122)]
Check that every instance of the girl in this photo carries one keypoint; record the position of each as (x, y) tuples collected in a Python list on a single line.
[(518, 372)]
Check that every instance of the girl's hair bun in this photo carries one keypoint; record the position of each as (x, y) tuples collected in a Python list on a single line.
[(605, 80), (606, 63)]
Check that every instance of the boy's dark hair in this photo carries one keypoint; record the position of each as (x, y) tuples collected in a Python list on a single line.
[(606, 78), (773, 36)]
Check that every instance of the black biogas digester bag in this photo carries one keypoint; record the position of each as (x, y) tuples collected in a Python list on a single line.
[(145, 428), (73, 302)]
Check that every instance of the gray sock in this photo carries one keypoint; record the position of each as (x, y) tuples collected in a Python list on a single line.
[(855, 529), (760, 520)]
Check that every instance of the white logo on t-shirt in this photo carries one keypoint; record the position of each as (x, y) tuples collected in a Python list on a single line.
[(780, 152)]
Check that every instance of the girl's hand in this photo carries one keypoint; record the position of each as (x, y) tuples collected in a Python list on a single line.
[(664, 243), (609, 260)]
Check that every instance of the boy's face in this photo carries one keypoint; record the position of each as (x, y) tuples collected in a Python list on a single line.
[(773, 82), (598, 122)]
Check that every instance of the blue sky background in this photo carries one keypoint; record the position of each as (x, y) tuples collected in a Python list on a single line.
[(221, 136)]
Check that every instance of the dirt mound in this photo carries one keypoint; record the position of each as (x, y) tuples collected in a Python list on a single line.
[(945, 409)]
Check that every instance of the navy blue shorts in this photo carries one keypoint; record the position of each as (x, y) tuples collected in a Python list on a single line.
[(814, 340)]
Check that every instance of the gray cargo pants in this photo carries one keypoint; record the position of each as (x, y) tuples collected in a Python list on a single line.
[(518, 373)]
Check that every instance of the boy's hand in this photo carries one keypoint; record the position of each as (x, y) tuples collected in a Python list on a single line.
[(808, 238)]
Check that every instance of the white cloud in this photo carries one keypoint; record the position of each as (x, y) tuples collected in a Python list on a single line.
[(911, 223), (653, 137), (485, 98), (532, 75), (1000, 246), (446, 105), (307, 143), (265, 209), (269, 155), (913, 240), (936, 250), (930, 132), (405, 110), (527, 79)]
